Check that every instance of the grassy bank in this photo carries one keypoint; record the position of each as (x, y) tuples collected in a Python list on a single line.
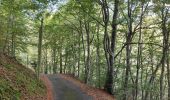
[(18, 82)]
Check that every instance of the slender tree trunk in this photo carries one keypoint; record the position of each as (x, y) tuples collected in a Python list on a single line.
[(128, 51), (40, 46), (127, 68), (46, 60), (168, 72), (66, 58), (13, 37), (98, 57), (165, 49), (139, 55), (73, 72), (162, 61), (87, 69), (13, 45), (79, 54), (61, 61), (82, 38), (54, 61), (167, 61)]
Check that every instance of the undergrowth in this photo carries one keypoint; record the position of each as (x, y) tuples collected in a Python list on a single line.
[(18, 82)]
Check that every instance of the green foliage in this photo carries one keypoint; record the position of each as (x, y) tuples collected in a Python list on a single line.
[(16, 80), (65, 40), (8, 91)]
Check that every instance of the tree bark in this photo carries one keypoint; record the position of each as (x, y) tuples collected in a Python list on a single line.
[(61, 61), (128, 51), (110, 47), (40, 46), (79, 54), (87, 69), (98, 57), (54, 61)]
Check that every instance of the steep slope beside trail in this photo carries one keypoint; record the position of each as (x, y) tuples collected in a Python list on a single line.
[(18, 82)]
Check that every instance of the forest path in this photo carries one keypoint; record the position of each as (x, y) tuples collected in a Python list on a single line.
[(66, 90)]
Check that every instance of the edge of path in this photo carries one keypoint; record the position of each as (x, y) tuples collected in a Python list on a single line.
[(97, 94), (48, 85)]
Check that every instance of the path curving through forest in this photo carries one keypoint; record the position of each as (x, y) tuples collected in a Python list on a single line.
[(63, 89)]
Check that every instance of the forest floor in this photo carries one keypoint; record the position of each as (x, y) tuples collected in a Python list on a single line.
[(18, 82), (66, 87)]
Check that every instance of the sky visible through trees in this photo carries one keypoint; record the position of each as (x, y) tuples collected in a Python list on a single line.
[(121, 46)]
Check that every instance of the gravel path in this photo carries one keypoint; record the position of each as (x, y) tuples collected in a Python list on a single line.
[(66, 90)]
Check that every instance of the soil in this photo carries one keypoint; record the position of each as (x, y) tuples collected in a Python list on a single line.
[(18, 82), (48, 84)]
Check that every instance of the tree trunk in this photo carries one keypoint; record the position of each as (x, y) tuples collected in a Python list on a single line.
[(168, 73), (109, 81), (128, 51), (164, 54), (84, 51), (88, 52), (79, 54), (13, 37), (98, 57), (139, 55), (54, 61), (165, 49), (13, 45), (46, 61), (61, 68), (167, 62), (40, 46), (66, 58)]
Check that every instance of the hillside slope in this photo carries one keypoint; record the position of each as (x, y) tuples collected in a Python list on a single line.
[(18, 82)]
